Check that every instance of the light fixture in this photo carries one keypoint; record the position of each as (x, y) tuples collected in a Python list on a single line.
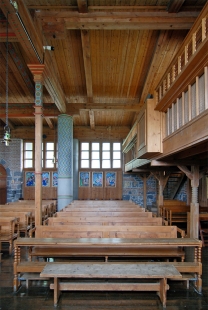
[(50, 48), (47, 47), (6, 138)]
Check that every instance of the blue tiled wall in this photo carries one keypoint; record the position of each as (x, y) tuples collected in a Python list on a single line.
[(11, 159), (133, 189)]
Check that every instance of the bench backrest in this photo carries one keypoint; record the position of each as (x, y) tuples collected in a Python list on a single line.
[(8, 224), (84, 216), (169, 202), (148, 221), (102, 213), (24, 218), (85, 231), (93, 209)]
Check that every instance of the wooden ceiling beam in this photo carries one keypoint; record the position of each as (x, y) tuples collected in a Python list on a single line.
[(49, 122), (117, 20), (85, 35), (82, 6), (17, 110), (26, 110), (174, 6), (100, 132), (92, 119)]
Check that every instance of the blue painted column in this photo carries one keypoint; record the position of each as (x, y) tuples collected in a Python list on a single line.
[(65, 160)]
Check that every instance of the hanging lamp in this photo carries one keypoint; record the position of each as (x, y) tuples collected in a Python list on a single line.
[(6, 138)]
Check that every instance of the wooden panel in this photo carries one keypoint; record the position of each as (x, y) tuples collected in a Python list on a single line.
[(104, 193), (191, 134)]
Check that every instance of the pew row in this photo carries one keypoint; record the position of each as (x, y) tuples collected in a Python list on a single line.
[(107, 247)]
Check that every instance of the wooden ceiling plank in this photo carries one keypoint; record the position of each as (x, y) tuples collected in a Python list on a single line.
[(23, 26)]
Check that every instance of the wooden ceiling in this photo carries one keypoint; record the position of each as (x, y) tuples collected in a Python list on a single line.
[(108, 56)]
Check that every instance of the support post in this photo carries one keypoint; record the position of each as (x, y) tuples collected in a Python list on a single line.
[(37, 71)]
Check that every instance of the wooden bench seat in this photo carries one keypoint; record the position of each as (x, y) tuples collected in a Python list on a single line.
[(147, 253), (31, 270), (110, 272)]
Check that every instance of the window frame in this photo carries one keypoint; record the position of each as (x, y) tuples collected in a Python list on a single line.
[(100, 154), (43, 150)]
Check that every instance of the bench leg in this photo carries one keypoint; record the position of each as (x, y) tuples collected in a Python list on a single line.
[(56, 291), (163, 291)]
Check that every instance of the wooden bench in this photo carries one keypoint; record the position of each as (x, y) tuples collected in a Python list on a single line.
[(26, 208), (176, 214), (96, 247), (119, 272), (111, 232), (24, 219), (108, 221), (9, 231)]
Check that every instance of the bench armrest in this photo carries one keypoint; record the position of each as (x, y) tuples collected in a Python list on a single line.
[(181, 232)]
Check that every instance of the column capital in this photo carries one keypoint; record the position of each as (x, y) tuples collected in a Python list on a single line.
[(37, 70)]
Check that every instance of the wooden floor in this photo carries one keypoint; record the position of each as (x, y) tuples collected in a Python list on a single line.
[(40, 297)]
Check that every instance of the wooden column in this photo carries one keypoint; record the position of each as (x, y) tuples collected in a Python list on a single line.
[(194, 176), (37, 71), (144, 179), (162, 178)]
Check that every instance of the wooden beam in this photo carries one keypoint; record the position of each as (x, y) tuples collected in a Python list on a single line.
[(100, 133), (174, 6), (82, 6), (49, 122), (26, 110), (187, 172), (85, 35), (92, 120), (117, 20)]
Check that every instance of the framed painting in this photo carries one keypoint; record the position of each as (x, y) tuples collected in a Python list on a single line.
[(110, 179), (46, 179), (84, 179), (29, 178), (97, 179), (55, 179)]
